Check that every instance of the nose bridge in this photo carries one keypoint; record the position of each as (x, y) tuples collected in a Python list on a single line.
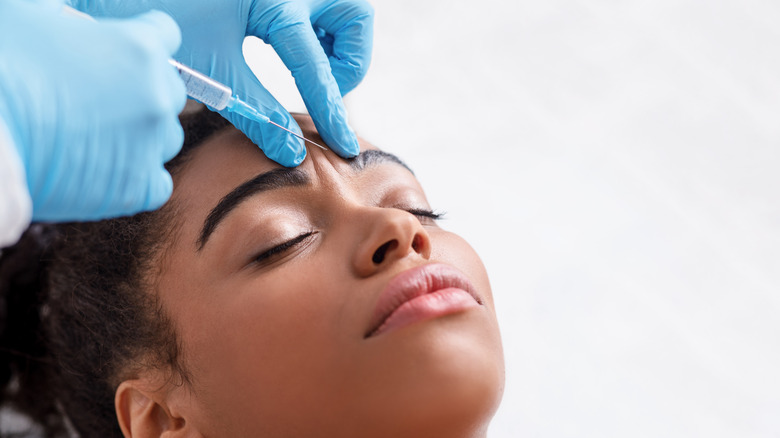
[(389, 234)]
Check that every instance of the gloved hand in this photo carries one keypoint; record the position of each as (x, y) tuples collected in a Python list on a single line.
[(92, 108), (326, 44)]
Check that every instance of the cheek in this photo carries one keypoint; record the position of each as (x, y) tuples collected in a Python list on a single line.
[(269, 348)]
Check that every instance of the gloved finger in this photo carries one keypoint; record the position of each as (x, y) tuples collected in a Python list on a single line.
[(158, 191), (295, 42), (172, 138), (326, 41), (348, 27), (145, 184), (156, 36), (156, 26), (277, 144)]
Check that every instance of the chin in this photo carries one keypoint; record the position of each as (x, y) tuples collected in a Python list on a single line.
[(442, 378)]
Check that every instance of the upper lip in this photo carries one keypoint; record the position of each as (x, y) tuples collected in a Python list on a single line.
[(413, 283)]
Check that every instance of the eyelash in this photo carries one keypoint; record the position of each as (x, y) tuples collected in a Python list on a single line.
[(281, 248), (425, 214)]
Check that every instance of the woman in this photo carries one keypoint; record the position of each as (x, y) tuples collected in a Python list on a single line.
[(260, 301)]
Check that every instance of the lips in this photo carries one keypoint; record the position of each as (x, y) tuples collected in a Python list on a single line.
[(422, 293)]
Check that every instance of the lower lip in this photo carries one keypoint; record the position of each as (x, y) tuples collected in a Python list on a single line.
[(432, 305)]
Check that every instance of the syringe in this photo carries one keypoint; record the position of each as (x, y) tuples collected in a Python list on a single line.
[(208, 91), (219, 96)]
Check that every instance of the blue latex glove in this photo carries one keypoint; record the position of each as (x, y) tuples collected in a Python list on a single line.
[(326, 44), (92, 108)]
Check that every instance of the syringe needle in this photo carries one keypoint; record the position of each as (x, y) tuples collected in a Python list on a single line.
[(239, 106), (299, 136)]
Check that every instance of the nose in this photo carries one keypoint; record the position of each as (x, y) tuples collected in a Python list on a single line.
[(389, 235)]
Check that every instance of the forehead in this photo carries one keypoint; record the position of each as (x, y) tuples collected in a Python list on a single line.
[(228, 158)]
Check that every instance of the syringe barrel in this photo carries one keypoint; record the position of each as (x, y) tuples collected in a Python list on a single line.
[(203, 88)]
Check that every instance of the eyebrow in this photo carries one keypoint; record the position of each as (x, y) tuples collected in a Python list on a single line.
[(274, 179), (278, 179), (374, 156)]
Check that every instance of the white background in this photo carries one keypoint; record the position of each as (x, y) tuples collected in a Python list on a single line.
[(616, 164)]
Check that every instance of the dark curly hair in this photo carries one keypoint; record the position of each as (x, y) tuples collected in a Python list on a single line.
[(78, 316)]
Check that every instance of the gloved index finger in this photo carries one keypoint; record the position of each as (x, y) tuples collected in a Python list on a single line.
[(277, 144), (294, 40), (350, 23)]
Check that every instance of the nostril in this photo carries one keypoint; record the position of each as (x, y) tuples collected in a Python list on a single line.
[(416, 242), (379, 254)]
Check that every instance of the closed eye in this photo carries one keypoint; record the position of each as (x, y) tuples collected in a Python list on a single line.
[(422, 213), (279, 250)]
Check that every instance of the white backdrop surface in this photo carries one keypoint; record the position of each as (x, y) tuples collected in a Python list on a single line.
[(617, 166)]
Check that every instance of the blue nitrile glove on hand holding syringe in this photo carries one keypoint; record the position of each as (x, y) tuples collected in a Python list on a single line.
[(92, 106)]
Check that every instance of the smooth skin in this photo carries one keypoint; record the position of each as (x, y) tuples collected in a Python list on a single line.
[(278, 348)]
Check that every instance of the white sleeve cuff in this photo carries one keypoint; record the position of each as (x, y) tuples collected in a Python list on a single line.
[(15, 202)]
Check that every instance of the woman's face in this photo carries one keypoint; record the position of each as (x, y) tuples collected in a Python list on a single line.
[(273, 284)]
